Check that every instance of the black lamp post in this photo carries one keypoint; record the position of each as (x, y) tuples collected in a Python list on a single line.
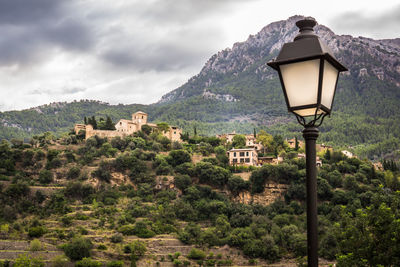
[(308, 72)]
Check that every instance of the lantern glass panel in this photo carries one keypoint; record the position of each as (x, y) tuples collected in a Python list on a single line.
[(301, 82), (328, 84), (307, 112)]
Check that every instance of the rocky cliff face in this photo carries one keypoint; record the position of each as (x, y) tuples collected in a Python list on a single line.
[(363, 56)]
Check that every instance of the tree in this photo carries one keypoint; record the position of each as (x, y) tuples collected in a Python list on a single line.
[(138, 248), (266, 140), (45, 176), (85, 120), (163, 127), (236, 184), (24, 260), (109, 125), (78, 248), (146, 129), (371, 237), (177, 157), (239, 141)]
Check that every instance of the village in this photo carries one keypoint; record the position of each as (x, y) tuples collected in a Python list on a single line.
[(252, 152)]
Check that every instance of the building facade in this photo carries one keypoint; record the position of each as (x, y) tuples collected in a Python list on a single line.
[(128, 127), (243, 156)]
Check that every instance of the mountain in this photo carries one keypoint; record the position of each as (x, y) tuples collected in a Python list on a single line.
[(237, 90)]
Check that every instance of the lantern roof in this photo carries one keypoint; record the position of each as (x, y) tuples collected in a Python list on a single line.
[(306, 46)]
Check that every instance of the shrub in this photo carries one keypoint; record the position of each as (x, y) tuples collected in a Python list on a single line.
[(66, 220), (45, 176), (36, 231), (73, 172), (117, 238), (24, 260), (60, 261), (78, 248), (35, 245), (88, 262), (127, 229), (138, 249), (196, 254), (177, 157), (141, 230), (115, 264), (102, 247), (103, 172), (182, 181)]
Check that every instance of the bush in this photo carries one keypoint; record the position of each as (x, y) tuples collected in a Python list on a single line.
[(78, 248), (88, 262), (102, 247), (196, 254), (138, 248), (115, 264), (60, 261), (182, 181), (24, 260), (127, 229), (36, 231), (73, 172), (177, 157), (117, 238), (45, 176), (36, 245)]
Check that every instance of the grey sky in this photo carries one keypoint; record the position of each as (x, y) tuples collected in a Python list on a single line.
[(136, 51)]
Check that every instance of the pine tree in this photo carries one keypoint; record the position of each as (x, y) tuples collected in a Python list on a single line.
[(94, 122), (85, 120), (254, 133), (296, 145), (109, 124)]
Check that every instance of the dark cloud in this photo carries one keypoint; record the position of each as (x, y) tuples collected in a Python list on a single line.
[(378, 26), (29, 30), (171, 53), (183, 11), (17, 12)]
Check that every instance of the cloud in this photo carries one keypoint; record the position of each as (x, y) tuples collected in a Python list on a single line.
[(32, 30), (378, 25)]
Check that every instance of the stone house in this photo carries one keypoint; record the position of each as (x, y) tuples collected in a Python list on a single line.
[(243, 156), (292, 143), (251, 141), (127, 127)]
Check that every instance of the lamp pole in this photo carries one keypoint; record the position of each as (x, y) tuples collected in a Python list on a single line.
[(310, 135), (308, 72)]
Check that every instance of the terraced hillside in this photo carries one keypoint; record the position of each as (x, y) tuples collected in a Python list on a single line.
[(144, 201)]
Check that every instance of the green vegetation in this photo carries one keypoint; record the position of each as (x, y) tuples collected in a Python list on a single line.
[(100, 204)]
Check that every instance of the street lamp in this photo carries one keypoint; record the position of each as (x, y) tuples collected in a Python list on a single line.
[(308, 72)]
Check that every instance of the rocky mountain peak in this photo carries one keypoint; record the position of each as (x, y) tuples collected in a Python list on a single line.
[(361, 55)]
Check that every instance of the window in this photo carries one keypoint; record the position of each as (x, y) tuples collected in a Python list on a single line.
[(234, 154), (241, 160), (247, 160), (142, 117), (242, 154), (247, 154), (174, 132), (234, 160), (120, 123)]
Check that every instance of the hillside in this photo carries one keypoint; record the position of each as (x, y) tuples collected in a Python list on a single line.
[(236, 90), (144, 201)]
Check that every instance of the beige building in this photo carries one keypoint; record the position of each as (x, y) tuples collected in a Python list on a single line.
[(243, 156), (128, 127), (251, 141), (292, 143)]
